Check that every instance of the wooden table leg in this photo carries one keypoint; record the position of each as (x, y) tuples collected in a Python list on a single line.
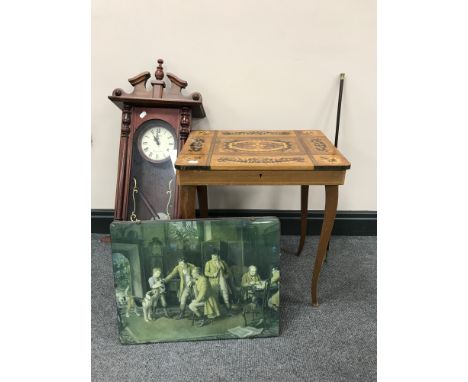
[(304, 213), (187, 202), (331, 202), (202, 193)]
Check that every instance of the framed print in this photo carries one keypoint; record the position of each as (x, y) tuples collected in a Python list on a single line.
[(184, 280)]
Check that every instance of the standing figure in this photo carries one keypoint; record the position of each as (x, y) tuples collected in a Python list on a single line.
[(274, 300), (217, 272), (156, 284), (184, 270), (204, 297)]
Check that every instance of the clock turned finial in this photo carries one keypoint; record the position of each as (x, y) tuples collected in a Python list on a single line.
[(159, 84), (159, 74)]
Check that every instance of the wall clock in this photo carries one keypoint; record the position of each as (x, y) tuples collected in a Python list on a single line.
[(156, 122)]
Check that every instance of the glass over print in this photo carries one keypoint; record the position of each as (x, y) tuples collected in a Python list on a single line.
[(181, 280)]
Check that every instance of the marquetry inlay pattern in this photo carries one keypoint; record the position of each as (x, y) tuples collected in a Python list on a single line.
[(260, 150)]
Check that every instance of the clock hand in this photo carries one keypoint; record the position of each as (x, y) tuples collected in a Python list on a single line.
[(156, 137)]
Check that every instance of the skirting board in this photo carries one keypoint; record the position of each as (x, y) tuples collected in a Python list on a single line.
[(347, 223)]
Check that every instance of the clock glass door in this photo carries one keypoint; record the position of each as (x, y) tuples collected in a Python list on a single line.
[(152, 181)]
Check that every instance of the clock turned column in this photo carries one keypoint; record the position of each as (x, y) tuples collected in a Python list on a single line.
[(185, 122), (120, 211)]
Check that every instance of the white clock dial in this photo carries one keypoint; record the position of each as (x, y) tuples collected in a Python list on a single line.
[(157, 143)]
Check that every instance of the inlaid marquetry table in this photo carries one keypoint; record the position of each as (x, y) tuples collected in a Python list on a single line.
[(266, 157)]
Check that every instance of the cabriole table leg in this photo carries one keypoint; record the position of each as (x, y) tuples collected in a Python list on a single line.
[(331, 203)]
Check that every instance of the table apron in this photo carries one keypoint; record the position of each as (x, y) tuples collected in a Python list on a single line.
[(258, 177)]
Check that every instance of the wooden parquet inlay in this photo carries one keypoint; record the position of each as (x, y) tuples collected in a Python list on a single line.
[(260, 150)]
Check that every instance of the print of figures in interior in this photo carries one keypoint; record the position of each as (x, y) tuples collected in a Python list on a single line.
[(185, 280)]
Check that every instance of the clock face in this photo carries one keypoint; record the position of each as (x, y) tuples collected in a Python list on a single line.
[(156, 142)]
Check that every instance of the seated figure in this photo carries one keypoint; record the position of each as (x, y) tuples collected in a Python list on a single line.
[(250, 283)]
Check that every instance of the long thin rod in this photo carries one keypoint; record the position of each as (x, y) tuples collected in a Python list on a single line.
[(337, 130), (338, 112)]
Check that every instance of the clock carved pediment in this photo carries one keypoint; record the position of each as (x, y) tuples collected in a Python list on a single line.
[(158, 94)]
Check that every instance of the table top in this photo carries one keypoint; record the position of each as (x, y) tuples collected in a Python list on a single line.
[(260, 150)]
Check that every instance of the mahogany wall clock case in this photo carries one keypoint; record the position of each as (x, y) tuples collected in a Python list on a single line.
[(156, 122)]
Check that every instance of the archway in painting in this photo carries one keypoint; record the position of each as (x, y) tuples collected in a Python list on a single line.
[(122, 272), (130, 253)]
